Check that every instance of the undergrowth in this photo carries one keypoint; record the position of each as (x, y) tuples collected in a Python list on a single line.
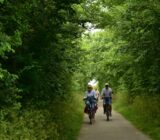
[(60, 122), (143, 112)]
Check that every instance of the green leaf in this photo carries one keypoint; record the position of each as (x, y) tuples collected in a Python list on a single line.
[(1, 1)]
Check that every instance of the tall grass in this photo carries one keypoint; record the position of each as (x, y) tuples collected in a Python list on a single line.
[(143, 112), (62, 121), (71, 113)]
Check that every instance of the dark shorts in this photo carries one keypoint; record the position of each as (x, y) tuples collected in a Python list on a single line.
[(107, 100)]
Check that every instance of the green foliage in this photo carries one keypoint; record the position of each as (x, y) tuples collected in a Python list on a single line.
[(46, 58), (126, 54), (42, 59), (69, 117), (38, 56), (28, 125), (58, 122), (127, 51), (143, 113)]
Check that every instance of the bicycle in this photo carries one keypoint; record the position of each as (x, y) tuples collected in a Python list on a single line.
[(107, 107), (90, 107)]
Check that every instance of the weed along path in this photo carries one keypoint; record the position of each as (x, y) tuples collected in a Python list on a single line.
[(117, 128)]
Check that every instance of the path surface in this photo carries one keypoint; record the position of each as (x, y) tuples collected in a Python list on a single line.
[(117, 128)]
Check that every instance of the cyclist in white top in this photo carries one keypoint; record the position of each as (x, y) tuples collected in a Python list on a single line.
[(90, 97), (107, 94)]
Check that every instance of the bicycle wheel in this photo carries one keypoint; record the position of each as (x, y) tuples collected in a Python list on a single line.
[(107, 111)]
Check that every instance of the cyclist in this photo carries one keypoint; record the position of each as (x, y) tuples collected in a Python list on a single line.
[(90, 98), (106, 95)]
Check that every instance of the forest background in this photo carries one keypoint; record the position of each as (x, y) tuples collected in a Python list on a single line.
[(50, 49)]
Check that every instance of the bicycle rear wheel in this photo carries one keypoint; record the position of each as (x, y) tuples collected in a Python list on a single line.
[(107, 111)]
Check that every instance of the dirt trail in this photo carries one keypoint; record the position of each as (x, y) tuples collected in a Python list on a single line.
[(117, 128)]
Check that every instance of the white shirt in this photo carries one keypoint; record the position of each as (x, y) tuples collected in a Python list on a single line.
[(91, 93), (106, 92)]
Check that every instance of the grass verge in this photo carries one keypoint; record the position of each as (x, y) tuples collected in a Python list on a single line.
[(144, 113), (74, 118)]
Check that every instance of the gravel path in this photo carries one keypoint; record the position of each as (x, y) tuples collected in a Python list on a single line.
[(118, 128)]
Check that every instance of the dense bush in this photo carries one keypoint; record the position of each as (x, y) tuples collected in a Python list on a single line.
[(38, 55)]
